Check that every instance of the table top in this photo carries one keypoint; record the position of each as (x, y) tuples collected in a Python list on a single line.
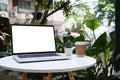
[(73, 64)]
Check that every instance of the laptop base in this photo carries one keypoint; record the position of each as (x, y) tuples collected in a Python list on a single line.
[(40, 59)]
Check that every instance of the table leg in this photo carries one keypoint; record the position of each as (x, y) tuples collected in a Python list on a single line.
[(49, 77), (45, 78), (24, 76), (71, 76)]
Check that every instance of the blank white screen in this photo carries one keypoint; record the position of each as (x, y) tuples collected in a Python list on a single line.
[(33, 39)]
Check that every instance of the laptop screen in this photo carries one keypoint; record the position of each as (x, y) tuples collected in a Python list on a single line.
[(33, 38)]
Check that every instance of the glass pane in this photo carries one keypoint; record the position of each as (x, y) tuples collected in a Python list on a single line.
[(24, 4), (3, 7)]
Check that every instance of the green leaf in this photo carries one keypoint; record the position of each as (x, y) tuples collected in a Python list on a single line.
[(111, 43), (92, 24), (91, 51), (99, 46), (101, 42), (79, 38), (117, 74), (59, 45), (112, 35)]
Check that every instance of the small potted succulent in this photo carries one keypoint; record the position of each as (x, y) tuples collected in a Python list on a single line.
[(68, 48)]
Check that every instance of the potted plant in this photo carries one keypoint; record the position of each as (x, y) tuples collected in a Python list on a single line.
[(68, 48)]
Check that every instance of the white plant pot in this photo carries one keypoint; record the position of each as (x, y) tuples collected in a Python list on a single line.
[(68, 51)]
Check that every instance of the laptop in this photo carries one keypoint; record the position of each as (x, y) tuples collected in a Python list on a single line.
[(32, 43)]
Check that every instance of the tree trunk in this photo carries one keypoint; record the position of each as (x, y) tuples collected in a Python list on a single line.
[(36, 10), (44, 18)]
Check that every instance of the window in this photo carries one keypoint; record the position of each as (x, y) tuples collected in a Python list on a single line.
[(3, 5), (24, 6)]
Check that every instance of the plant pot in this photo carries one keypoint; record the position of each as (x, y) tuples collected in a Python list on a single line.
[(68, 51)]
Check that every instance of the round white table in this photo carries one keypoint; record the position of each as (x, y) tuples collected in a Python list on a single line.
[(73, 64)]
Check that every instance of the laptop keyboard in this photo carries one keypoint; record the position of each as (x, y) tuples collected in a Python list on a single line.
[(37, 55)]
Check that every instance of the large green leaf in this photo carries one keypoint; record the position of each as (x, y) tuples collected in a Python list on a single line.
[(99, 45), (111, 43), (101, 42), (92, 24), (91, 51)]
